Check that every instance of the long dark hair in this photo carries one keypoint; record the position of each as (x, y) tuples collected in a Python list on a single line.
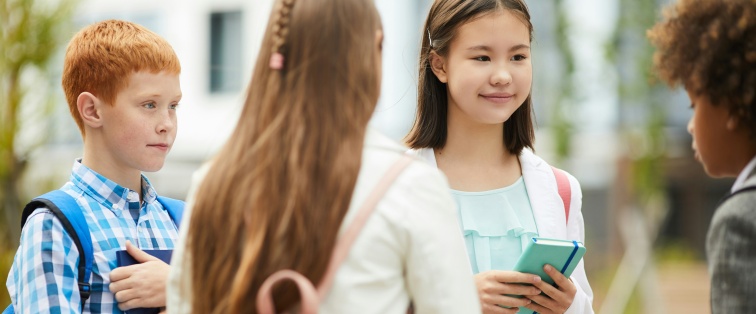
[(445, 17)]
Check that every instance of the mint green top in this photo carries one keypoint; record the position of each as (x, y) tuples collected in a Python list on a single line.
[(497, 224)]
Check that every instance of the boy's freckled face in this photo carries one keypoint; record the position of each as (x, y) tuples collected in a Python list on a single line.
[(140, 128)]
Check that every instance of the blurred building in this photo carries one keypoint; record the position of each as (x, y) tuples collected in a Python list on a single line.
[(217, 42)]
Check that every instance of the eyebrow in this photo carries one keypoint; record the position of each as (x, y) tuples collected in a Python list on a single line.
[(487, 48), (160, 95)]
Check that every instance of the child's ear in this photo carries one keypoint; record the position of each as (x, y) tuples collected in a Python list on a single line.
[(732, 122), (438, 66), (89, 109)]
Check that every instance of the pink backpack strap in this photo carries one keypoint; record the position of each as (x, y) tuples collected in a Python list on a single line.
[(310, 297), (307, 293), (565, 192)]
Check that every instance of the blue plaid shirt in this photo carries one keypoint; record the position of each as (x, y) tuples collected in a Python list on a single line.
[(44, 272)]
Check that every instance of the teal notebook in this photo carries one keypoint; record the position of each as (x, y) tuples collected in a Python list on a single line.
[(564, 255)]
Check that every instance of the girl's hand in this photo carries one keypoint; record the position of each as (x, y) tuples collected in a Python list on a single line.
[(497, 288), (555, 299)]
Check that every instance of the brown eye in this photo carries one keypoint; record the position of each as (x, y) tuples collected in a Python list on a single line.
[(519, 58)]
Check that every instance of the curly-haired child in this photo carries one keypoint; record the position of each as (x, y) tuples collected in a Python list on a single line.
[(709, 46)]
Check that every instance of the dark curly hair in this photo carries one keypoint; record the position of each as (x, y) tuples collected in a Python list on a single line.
[(709, 46)]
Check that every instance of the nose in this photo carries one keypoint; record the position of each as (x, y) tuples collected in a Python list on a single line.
[(691, 126), (167, 121), (501, 75)]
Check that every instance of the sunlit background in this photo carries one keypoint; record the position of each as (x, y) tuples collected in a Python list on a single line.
[(600, 115)]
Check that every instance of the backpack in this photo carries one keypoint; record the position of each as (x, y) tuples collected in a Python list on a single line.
[(310, 296), (68, 212), (565, 191)]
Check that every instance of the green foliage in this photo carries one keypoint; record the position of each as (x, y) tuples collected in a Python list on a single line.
[(31, 34), (6, 259), (676, 252), (561, 125), (644, 120)]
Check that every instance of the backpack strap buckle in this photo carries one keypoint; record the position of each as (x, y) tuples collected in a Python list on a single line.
[(84, 291)]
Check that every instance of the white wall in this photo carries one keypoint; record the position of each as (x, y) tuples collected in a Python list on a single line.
[(206, 119)]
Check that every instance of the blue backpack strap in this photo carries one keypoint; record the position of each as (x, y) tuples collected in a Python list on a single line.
[(68, 212), (174, 207)]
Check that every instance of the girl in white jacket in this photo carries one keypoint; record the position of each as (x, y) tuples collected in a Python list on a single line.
[(474, 123), (290, 184)]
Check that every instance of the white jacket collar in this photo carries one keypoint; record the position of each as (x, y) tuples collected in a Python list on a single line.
[(548, 208), (375, 139)]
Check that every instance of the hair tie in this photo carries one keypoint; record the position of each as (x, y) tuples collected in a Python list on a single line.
[(276, 61)]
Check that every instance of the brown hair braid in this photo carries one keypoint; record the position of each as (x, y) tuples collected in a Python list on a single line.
[(280, 29)]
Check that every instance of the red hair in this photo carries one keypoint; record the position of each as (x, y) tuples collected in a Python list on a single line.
[(101, 56)]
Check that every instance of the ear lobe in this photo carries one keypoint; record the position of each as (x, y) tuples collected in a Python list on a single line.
[(89, 109), (732, 122), (438, 66)]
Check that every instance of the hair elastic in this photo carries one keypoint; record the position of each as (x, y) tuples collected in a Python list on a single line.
[(276, 61)]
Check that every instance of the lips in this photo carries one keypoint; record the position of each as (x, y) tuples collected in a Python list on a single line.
[(160, 146), (498, 97)]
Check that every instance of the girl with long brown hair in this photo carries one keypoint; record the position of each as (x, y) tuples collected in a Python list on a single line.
[(474, 122), (299, 164)]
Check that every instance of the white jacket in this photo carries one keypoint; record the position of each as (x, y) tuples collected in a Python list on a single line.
[(548, 211), (411, 248)]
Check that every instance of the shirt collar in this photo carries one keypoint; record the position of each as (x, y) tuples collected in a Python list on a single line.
[(743, 176), (106, 192)]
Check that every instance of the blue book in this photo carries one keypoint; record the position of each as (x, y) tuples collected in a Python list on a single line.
[(564, 255), (124, 259)]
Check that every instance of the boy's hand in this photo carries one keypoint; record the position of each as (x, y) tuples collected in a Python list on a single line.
[(141, 285), (555, 299), (497, 288)]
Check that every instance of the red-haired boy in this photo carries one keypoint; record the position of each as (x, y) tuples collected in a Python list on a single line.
[(121, 82)]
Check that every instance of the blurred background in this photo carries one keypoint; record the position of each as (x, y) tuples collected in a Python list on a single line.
[(600, 115)]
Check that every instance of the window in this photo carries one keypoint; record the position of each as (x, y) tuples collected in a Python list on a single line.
[(225, 51)]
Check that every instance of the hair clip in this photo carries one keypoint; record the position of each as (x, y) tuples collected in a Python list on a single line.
[(276, 61), (430, 40)]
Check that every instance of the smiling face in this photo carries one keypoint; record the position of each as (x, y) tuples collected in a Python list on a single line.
[(138, 130), (487, 70)]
